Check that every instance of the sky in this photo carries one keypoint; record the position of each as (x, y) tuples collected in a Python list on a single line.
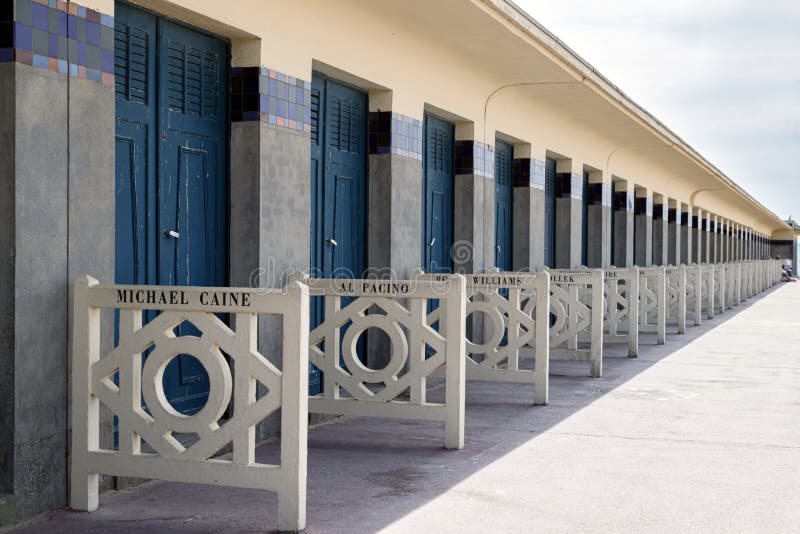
[(724, 75)]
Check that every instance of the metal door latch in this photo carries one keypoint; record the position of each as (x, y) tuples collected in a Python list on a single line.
[(331, 242), (432, 242), (171, 233)]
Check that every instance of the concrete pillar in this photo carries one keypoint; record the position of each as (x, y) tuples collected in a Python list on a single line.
[(474, 164), (528, 226), (714, 239), (660, 231), (674, 236), (697, 235), (57, 197), (643, 227), (708, 238), (599, 224), (729, 241), (394, 234), (569, 213), (622, 255), (686, 234)]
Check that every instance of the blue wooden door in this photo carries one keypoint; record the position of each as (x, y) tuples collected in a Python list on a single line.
[(550, 213), (438, 199), (171, 150), (338, 188), (585, 221), (503, 195), (338, 175)]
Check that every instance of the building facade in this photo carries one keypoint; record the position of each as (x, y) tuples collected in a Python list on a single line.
[(197, 142)]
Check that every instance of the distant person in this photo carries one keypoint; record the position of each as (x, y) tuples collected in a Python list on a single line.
[(786, 270)]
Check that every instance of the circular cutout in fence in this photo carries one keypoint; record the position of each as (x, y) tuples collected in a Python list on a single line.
[(496, 322), (394, 343), (219, 378)]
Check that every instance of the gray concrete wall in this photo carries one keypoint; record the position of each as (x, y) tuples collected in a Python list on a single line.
[(489, 221), (284, 197), (40, 290), (92, 195), (468, 222), (406, 215), (7, 272), (623, 238), (599, 236), (674, 241), (568, 232), (660, 237), (686, 242), (643, 229), (245, 211)]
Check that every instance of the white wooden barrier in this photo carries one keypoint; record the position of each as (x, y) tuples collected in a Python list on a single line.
[(676, 297), (707, 291), (576, 304), (719, 287), (399, 308), (694, 294), (235, 367), (506, 300), (653, 302), (733, 285), (621, 308)]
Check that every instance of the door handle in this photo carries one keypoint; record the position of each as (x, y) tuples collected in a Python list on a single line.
[(432, 242), (498, 248), (331, 242), (171, 233)]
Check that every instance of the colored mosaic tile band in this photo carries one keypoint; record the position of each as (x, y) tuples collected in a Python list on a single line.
[(598, 194), (59, 36), (569, 185), (643, 206), (393, 133), (521, 170), (263, 94), (474, 157), (658, 212), (623, 201)]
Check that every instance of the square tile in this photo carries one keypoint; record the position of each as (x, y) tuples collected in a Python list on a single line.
[(23, 56), (40, 16), (6, 55), (94, 58), (41, 42), (92, 33), (106, 60), (22, 12)]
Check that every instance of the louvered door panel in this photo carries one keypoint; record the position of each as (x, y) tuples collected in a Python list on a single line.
[(438, 199), (503, 190), (550, 213)]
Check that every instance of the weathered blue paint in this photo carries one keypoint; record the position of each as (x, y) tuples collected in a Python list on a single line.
[(338, 188), (585, 221), (171, 168), (438, 200), (503, 196)]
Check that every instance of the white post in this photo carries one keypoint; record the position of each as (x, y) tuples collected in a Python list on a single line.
[(661, 291), (85, 406), (598, 287), (633, 315), (455, 329), (294, 412), (541, 384)]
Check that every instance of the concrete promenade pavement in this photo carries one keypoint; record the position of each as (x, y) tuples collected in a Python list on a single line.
[(699, 435)]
